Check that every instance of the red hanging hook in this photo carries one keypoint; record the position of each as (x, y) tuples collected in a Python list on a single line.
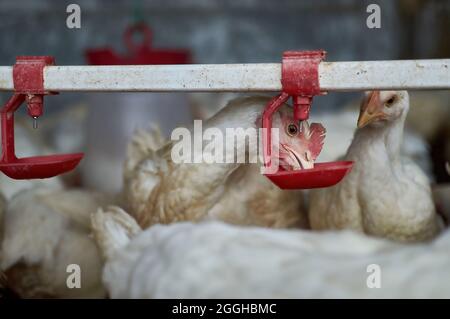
[(138, 53), (300, 80), (28, 76)]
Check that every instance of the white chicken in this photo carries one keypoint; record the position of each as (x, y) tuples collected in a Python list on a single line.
[(159, 190), (340, 126), (216, 260), (385, 194), (205, 105), (45, 231)]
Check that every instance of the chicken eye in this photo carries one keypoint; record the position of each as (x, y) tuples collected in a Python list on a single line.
[(292, 129), (390, 102)]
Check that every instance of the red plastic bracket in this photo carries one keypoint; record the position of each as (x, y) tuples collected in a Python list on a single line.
[(28, 77), (138, 53), (299, 80), (300, 72), (28, 74)]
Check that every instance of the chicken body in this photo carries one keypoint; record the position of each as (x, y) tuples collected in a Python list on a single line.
[(175, 261), (161, 191), (45, 231), (385, 194)]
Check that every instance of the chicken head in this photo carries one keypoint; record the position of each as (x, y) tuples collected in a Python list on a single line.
[(381, 107), (300, 143)]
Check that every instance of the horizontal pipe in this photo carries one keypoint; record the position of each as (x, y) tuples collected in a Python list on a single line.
[(385, 75), (257, 77)]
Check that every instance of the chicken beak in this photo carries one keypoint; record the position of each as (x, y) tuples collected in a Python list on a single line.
[(371, 111), (305, 161), (299, 161)]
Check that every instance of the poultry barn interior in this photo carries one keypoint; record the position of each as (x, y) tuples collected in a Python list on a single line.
[(131, 222)]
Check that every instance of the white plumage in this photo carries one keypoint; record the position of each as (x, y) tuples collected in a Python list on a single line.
[(44, 231), (159, 190), (385, 194), (341, 127), (48, 229), (215, 260)]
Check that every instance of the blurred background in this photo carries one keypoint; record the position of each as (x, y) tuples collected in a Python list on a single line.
[(213, 31)]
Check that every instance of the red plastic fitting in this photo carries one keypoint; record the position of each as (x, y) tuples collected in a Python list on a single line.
[(138, 52), (28, 77), (35, 105), (300, 79), (28, 74)]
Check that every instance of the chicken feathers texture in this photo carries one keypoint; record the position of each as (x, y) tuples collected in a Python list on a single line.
[(161, 191), (45, 231), (385, 194), (175, 261)]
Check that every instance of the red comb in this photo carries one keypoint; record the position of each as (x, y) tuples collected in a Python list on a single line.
[(316, 140)]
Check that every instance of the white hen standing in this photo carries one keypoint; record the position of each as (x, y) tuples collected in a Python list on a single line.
[(385, 194), (162, 191)]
